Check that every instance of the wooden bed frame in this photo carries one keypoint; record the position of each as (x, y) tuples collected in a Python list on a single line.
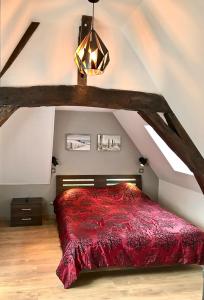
[(65, 182)]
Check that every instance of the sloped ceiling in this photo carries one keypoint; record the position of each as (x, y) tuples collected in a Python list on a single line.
[(168, 38), (155, 46)]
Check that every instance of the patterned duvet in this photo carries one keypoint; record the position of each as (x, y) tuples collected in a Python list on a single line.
[(120, 226)]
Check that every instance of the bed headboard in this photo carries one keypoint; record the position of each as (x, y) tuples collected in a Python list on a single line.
[(65, 182)]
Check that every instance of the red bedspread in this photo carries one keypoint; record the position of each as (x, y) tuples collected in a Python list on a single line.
[(120, 226)]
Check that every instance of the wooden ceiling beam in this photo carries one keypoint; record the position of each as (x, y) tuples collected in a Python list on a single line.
[(172, 120), (37, 96), (23, 41), (174, 123), (186, 150), (147, 104), (6, 112), (200, 180), (178, 141), (170, 123)]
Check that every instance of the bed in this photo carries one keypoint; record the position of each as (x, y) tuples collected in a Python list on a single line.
[(107, 221)]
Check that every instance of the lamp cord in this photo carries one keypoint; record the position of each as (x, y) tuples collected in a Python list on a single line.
[(93, 17)]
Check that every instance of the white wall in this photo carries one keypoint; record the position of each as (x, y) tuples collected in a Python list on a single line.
[(26, 142), (76, 162), (95, 162), (182, 201)]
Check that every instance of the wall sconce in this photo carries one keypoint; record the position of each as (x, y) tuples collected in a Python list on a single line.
[(55, 161), (143, 161), (54, 164)]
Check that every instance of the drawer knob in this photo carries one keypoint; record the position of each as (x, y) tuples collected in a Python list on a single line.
[(26, 219), (26, 209)]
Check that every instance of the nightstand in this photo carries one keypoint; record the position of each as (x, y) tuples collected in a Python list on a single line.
[(26, 211)]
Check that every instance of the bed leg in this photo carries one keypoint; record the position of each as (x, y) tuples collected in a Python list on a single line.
[(203, 281)]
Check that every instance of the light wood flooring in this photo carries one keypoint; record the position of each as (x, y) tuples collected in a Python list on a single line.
[(29, 257)]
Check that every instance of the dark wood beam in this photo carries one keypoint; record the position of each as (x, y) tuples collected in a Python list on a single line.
[(187, 151), (82, 96), (84, 29), (174, 123), (6, 112), (179, 142), (23, 41), (200, 180), (170, 122), (147, 104)]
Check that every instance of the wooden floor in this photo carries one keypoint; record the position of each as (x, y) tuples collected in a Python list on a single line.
[(29, 257)]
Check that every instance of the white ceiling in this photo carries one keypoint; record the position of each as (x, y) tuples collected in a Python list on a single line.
[(155, 46)]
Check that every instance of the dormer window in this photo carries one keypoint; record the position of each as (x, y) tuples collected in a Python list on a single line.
[(175, 162)]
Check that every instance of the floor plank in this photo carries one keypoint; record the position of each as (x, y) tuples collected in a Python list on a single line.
[(29, 257)]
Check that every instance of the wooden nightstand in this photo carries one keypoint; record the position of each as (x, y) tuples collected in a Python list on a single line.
[(26, 211)]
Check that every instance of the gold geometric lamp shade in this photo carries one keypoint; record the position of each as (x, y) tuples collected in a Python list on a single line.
[(92, 56)]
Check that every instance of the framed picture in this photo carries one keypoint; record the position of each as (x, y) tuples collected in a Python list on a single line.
[(108, 142), (78, 142)]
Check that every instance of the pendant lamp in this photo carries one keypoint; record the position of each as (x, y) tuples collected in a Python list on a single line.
[(92, 56)]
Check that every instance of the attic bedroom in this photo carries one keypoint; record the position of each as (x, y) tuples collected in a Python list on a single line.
[(101, 149)]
